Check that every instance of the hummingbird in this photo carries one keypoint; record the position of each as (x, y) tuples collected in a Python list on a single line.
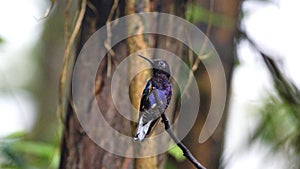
[(150, 111)]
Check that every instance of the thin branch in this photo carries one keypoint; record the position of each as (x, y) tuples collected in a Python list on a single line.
[(185, 150), (67, 21), (66, 62), (95, 19), (107, 42), (195, 66), (207, 33)]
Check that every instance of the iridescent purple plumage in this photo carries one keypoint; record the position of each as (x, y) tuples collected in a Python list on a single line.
[(149, 111)]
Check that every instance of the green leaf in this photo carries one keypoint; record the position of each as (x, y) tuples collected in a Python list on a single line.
[(16, 135), (55, 159), (34, 148), (196, 13), (177, 153)]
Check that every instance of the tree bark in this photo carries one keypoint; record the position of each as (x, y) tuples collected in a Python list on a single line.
[(78, 150)]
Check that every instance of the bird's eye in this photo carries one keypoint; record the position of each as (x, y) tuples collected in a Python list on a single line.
[(162, 64)]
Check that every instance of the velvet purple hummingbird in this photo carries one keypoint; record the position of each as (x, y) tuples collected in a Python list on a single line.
[(150, 112)]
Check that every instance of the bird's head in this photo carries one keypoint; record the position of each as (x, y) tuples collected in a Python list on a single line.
[(158, 66)]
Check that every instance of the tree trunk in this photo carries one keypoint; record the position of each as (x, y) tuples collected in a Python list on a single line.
[(78, 150)]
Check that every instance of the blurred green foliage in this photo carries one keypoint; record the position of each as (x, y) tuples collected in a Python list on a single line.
[(279, 125), (280, 116), (170, 165), (19, 153), (196, 13), (1, 40), (39, 148), (177, 153)]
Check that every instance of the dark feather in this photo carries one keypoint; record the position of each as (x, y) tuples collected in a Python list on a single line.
[(149, 109)]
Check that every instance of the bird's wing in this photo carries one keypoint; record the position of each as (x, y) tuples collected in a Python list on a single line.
[(145, 95), (149, 111)]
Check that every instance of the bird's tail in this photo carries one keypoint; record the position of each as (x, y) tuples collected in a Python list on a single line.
[(142, 131)]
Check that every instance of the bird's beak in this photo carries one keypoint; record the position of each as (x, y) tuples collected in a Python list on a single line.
[(150, 61)]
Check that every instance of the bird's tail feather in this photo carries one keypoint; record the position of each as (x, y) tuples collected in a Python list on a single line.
[(142, 131)]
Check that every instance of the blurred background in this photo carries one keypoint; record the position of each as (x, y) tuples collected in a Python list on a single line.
[(263, 121)]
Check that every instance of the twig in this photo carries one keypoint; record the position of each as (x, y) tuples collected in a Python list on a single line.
[(107, 42), (185, 150), (95, 19), (67, 20), (195, 65), (66, 63)]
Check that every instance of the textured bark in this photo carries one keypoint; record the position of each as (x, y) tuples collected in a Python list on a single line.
[(79, 151)]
